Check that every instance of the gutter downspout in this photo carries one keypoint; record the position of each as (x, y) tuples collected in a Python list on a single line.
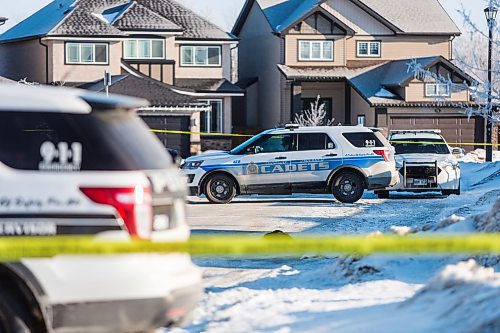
[(451, 46), (46, 60)]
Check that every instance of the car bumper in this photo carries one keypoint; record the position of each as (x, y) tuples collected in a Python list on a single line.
[(448, 179), (117, 293), (383, 180), (193, 179)]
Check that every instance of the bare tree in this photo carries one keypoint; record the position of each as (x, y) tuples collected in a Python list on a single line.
[(315, 116)]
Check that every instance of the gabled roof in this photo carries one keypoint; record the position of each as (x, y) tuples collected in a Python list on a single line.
[(195, 27), (139, 17), (110, 18), (157, 93), (209, 86), (401, 16)]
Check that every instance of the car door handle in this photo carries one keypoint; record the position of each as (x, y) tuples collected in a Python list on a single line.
[(280, 158), (330, 155)]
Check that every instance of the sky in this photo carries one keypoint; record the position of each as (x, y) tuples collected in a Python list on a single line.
[(224, 12)]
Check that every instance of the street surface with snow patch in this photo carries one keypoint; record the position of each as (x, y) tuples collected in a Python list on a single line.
[(350, 294)]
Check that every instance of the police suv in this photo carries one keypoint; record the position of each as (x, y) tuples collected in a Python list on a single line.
[(78, 163), (425, 163), (343, 160)]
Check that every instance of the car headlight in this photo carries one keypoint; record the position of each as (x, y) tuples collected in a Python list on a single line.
[(192, 165)]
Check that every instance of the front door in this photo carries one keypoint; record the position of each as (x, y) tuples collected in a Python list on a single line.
[(266, 165), (315, 157)]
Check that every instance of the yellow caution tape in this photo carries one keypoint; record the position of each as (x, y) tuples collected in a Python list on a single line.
[(395, 141), (15, 248), (199, 133)]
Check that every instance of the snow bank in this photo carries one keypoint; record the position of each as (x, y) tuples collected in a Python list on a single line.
[(464, 295), (489, 222), (479, 155)]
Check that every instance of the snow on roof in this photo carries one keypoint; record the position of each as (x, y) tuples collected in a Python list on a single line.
[(110, 15), (41, 22)]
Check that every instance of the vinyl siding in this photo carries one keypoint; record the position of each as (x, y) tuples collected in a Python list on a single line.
[(23, 60)]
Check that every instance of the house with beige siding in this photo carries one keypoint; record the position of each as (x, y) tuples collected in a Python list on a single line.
[(155, 49), (355, 55)]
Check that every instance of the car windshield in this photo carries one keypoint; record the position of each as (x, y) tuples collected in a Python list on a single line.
[(240, 150), (420, 146)]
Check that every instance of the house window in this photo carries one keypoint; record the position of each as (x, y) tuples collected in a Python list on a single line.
[(87, 53), (437, 90), (144, 49), (362, 120), (199, 56), (368, 49), (211, 121), (321, 50)]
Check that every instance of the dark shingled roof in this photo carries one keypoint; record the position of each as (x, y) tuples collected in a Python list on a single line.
[(195, 27), (138, 17), (107, 18), (159, 94), (209, 85)]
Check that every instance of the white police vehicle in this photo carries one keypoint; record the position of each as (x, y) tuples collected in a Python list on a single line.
[(343, 160), (425, 163), (78, 163)]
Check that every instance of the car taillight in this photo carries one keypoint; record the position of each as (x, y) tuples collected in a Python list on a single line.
[(386, 154), (133, 204)]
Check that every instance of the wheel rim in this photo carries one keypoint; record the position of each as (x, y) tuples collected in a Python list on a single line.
[(220, 189), (348, 187)]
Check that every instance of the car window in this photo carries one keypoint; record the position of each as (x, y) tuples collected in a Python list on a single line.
[(420, 146), (111, 140), (314, 141), (273, 143), (363, 139)]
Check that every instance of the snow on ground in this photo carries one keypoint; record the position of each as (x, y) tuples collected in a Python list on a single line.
[(349, 294)]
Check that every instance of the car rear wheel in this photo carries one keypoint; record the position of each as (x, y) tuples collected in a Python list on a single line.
[(220, 189), (13, 317), (347, 187)]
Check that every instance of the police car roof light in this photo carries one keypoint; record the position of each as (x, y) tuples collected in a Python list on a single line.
[(432, 131), (292, 126)]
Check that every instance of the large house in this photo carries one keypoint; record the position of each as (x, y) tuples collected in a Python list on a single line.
[(155, 49), (354, 54)]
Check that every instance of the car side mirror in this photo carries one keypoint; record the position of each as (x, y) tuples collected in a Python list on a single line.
[(456, 151), (251, 150)]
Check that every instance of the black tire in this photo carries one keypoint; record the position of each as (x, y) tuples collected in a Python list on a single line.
[(220, 189), (348, 187), (447, 192), (14, 317), (382, 194)]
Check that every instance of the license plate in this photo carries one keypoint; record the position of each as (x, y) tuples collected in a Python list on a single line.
[(420, 182)]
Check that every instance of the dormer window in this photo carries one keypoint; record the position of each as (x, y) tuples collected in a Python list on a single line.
[(437, 90), (368, 49), (144, 49)]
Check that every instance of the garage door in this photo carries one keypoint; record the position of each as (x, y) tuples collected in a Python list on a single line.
[(179, 142), (454, 129)]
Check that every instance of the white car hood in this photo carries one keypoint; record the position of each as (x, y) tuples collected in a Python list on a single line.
[(217, 155), (442, 159)]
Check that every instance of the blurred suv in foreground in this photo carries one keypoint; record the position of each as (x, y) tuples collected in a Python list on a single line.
[(74, 163)]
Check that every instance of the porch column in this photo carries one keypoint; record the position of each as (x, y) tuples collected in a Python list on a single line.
[(348, 107), (296, 99)]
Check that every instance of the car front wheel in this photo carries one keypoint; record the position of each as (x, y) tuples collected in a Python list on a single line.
[(220, 189), (348, 187)]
